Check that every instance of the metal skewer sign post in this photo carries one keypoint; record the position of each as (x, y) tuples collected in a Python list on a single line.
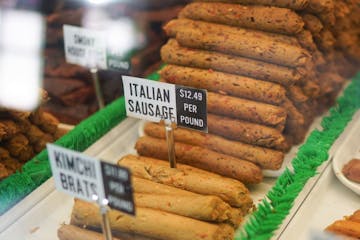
[(174, 104), (88, 48), (92, 180)]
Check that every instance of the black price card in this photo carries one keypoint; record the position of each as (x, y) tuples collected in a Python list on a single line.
[(191, 108), (118, 188), (116, 62)]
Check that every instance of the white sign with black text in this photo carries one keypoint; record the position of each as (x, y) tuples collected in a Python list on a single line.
[(91, 180), (89, 48), (85, 47), (149, 100), (156, 101)]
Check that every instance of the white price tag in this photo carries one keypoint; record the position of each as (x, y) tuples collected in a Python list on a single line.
[(76, 174), (85, 47), (149, 100)]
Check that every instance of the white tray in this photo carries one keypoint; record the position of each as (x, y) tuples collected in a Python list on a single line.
[(313, 182), (328, 200)]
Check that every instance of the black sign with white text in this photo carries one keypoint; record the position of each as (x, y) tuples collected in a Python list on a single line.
[(118, 188), (191, 108), (116, 62)]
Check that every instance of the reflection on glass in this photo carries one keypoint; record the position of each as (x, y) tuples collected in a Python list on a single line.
[(21, 35)]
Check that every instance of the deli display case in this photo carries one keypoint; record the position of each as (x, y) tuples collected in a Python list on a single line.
[(235, 119)]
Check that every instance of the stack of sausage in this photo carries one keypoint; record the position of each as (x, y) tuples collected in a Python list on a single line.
[(70, 86), (179, 204), (266, 78), (22, 135), (335, 27)]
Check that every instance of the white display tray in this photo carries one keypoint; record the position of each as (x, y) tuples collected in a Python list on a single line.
[(315, 181), (40, 214), (328, 200)]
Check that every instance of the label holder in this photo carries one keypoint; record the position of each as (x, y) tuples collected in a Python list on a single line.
[(62, 162)]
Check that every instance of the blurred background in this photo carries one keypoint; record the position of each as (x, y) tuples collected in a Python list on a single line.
[(134, 27)]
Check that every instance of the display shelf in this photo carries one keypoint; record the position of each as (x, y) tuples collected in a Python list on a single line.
[(40, 214)]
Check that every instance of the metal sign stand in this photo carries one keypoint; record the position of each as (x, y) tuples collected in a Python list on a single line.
[(99, 96), (105, 223), (169, 130)]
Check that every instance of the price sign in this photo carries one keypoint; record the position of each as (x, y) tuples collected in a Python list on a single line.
[(155, 101), (89, 179), (149, 100), (191, 108), (85, 47), (115, 61), (118, 187), (75, 174), (88, 48)]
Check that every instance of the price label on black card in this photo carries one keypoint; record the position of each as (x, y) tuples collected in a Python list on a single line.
[(118, 188), (191, 108), (116, 62)]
